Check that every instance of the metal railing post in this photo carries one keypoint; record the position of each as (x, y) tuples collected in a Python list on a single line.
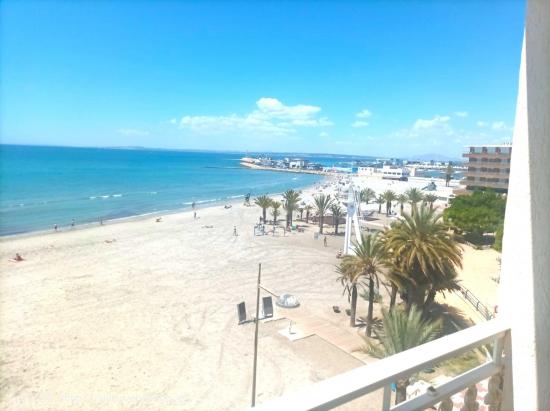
[(386, 401)]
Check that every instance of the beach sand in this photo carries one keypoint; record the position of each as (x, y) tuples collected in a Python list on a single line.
[(142, 315)]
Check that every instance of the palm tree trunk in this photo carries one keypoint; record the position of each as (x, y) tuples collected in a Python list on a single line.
[(371, 306), (336, 227), (379, 208), (393, 296), (353, 307), (307, 217), (321, 221), (429, 299), (264, 211), (401, 391), (401, 208)]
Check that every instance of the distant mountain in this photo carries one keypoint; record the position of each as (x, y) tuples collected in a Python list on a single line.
[(435, 157)]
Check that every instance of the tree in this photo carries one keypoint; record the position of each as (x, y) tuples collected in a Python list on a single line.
[(308, 209), (367, 195), (264, 202), (389, 196), (367, 262), (430, 199), (337, 213), (476, 214), (402, 331), (301, 211), (322, 203), (275, 205), (415, 196), (498, 237), (291, 198), (380, 200), (350, 279), (402, 199), (449, 174), (427, 256)]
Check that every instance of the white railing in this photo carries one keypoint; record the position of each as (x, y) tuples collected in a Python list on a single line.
[(353, 384)]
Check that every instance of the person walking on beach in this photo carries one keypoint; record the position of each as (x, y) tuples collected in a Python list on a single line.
[(193, 205), (55, 227), (325, 241), (235, 231), (72, 223), (194, 215)]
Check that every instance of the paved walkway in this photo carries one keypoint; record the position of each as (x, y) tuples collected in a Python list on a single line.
[(305, 324)]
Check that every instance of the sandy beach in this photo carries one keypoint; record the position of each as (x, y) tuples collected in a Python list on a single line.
[(142, 315)]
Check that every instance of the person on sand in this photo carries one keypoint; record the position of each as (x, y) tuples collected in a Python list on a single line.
[(73, 223), (55, 227), (235, 230), (18, 258), (194, 215), (325, 241)]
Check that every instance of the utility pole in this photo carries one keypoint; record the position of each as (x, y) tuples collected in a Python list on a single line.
[(256, 337)]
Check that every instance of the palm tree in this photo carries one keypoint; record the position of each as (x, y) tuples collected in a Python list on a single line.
[(291, 198), (449, 174), (337, 213), (308, 209), (402, 331), (427, 256), (350, 278), (367, 262), (389, 196), (275, 205), (322, 203), (430, 199), (264, 202), (367, 195), (402, 199), (415, 196), (301, 211), (380, 200)]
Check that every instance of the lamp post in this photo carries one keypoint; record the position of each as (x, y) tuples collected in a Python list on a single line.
[(256, 320)]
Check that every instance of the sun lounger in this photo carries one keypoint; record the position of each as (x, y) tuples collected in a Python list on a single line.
[(267, 303), (241, 310), (336, 309)]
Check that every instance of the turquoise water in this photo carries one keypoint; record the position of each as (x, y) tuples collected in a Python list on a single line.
[(43, 186)]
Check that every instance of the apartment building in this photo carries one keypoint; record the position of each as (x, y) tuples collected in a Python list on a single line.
[(488, 167)]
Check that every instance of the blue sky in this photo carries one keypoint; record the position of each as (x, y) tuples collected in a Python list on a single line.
[(392, 78)]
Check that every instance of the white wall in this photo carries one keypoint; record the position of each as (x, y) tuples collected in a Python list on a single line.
[(525, 278)]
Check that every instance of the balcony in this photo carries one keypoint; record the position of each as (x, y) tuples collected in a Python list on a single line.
[(485, 184), (518, 368), (486, 155), (487, 174), (349, 386)]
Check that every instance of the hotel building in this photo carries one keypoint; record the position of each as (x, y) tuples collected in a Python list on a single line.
[(488, 167)]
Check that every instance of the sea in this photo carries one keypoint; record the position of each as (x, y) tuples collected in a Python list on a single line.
[(45, 186)]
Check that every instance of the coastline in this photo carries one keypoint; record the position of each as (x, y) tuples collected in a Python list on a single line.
[(141, 217)]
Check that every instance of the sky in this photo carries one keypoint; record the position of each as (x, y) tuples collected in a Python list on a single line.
[(384, 78)]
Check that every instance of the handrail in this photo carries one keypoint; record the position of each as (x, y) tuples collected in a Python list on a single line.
[(476, 303), (350, 385)]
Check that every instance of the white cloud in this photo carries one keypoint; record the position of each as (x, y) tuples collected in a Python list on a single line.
[(360, 123), (364, 114), (499, 126), (495, 125), (461, 113), (270, 117), (173, 121), (132, 132), (437, 121), (323, 134)]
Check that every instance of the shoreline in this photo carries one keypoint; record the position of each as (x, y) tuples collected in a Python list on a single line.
[(137, 217)]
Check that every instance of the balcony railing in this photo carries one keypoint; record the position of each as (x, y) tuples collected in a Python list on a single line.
[(353, 384)]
